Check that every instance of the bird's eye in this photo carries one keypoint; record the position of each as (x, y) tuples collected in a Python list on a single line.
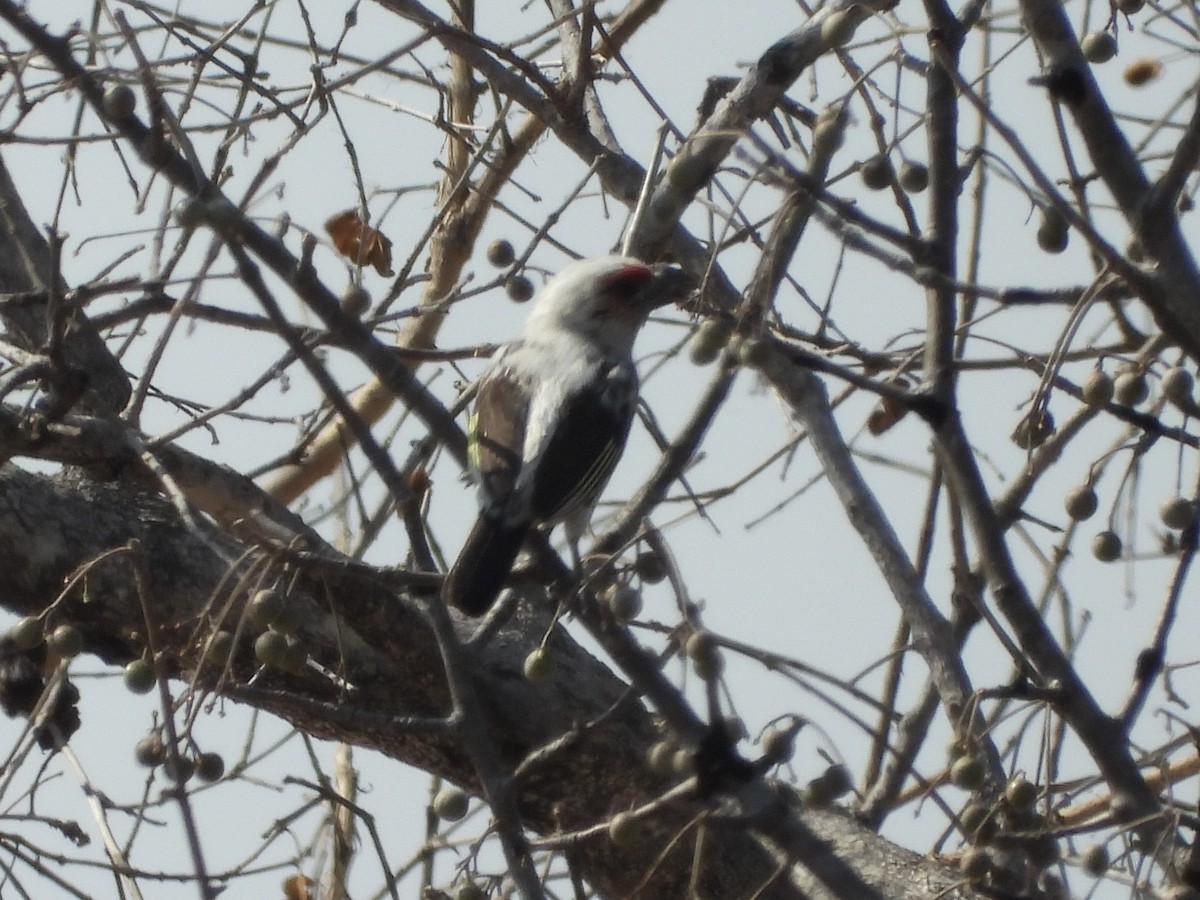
[(625, 283)]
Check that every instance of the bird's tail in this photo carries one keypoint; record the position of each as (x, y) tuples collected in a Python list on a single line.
[(487, 557)]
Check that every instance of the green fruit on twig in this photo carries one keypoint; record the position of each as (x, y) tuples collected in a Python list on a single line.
[(1095, 860), (1176, 385), (1131, 388), (519, 288), (266, 606), (876, 172), (539, 666), (1020, 793), (210, 767), (500, 253), (356, 300), (1098, 388), (914, 176), (1053, 232), (623, 830), (119, 102), (1081, 503), (623, 602), (1177, 512), (66, 640), (1106, 546), (270, 648), (451, 804), (1098, 47), (705, 656), (139, 676), (27, 633), (149, 751), (967, 772)]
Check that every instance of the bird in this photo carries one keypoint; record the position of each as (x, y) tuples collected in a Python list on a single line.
[(552, 411)]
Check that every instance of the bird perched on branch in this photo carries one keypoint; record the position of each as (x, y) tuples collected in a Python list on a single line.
[(552, 412)]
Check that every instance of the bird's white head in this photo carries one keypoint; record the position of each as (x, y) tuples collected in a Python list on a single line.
[(606, 300)]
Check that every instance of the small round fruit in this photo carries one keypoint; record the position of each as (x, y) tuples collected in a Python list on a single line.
[(705, 656), (1053, 232), (450, 804), (210, 767), (469, 890), (1106, 546), (500, 253), (973, 817), (660, 757), (266, 606), (220, 648), (914, 176), (649, 567), (778, 745), (707, 342), (119, 102), (1042, 855), (27, 633), (139, 676), (1098, 47), (539, 665), (270, 648), (1033, 430), (829, 133), (1095, 860), (180, 767), (519, 288), (295, 655), (1130, 388), (1098, 388), (66, 640), (149, 751), (1081, 503), (876, 172), (1176, 385), (623, 830), (1177, 512), (968, 772), (189, 213), (356, 300), (683, 762), (827, 787), (975, 863), (1020, 793), (624, 602)]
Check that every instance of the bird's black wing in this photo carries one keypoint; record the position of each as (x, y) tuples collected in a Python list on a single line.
[(587, 440)]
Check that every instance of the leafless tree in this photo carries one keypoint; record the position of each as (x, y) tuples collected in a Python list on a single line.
[(945, 321)]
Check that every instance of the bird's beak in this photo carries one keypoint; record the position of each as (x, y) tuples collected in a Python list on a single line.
[(670, 284)]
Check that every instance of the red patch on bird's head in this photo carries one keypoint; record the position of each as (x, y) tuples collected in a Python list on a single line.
[(625, 283)]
